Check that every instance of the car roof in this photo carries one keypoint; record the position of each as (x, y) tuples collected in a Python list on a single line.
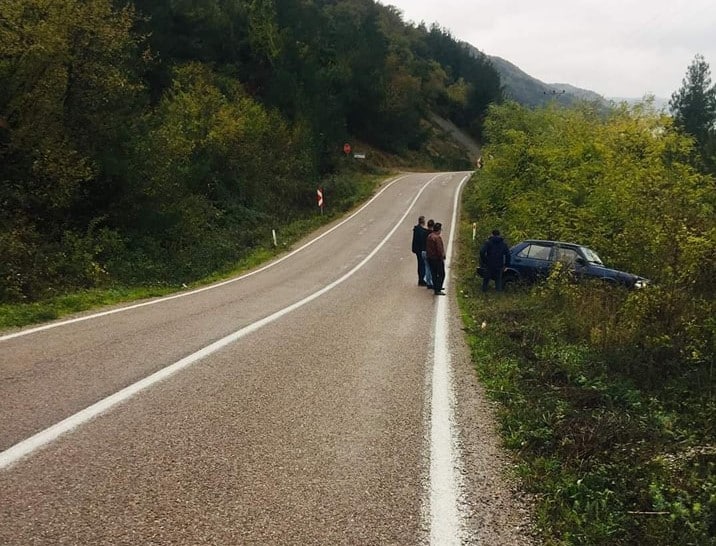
[(550, 242)]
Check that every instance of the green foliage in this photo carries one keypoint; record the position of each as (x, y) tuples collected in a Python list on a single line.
[(215, 172), (607, 393), (160, 141), (622, 186), (67, 94), (344, 191), (473, 83), (611, 461)]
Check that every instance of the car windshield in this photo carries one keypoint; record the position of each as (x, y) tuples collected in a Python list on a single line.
[(591, 256)]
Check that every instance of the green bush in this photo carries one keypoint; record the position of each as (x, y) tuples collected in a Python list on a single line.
[(607, 393)]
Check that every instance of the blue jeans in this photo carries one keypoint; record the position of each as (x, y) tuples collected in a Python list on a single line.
[(428, 278), (421, 267)]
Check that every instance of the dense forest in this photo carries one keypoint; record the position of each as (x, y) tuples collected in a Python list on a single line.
[(154, 141)]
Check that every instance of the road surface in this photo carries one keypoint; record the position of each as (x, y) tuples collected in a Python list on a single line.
[(322, 399)]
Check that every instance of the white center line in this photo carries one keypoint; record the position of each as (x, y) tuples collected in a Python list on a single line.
[(26, 447)]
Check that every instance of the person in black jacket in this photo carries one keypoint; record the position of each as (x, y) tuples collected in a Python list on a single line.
[(494, 257), (420, 235)]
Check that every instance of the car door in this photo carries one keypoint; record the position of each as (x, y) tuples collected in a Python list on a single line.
[(533, 261), (567, 255), (571, 258)]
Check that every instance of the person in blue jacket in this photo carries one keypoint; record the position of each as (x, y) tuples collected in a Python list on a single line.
[(428, 273), (494, 257), (420, 236)]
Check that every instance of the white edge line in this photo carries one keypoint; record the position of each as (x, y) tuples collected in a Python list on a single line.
[(446, 521), (198, 290), (25, 447)]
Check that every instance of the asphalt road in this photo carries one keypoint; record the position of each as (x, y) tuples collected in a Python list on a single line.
[(295, 405)]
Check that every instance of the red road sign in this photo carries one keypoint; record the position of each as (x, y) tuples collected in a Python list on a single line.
[(346, 148), (319, 195)]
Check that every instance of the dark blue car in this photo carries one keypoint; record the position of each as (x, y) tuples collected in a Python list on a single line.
[(532, 259)]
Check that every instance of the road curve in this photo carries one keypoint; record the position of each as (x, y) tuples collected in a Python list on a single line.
[(302, 412)]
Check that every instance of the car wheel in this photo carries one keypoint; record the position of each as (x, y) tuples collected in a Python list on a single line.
[(510, 280)]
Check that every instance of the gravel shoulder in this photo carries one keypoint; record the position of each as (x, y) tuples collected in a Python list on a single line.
[(498, 511)]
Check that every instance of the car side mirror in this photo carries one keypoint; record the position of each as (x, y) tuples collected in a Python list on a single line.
[(580, 261)]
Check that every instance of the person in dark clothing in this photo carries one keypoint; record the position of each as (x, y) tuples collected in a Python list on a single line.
[(435, 251), (494, 257), (428, 274), (420, 235)]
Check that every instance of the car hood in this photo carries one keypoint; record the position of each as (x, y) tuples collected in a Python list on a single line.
[(614, 273)]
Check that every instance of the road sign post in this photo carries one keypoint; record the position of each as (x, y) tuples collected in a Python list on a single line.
[(319, 197)]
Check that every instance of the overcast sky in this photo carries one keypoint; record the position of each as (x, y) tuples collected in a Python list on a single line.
[(617, 48)]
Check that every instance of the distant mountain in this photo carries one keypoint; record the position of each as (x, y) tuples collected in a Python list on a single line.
[(523, 88), (528, 91)]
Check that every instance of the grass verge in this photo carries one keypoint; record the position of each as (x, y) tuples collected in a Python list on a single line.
[(17, 315)]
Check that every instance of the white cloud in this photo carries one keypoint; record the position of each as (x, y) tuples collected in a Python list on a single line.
[(623, 48)]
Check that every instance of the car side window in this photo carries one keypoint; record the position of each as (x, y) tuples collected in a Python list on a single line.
[(566, 255), (539, 252), (536, 252)]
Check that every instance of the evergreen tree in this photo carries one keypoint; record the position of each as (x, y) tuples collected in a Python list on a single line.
[(694, 106)]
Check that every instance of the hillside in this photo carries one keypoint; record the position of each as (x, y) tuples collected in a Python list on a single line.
[(523, 88), (152, 143), (519, 86), (529, 91)]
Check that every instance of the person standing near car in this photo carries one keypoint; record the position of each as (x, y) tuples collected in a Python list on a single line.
[(494, 257), (428, 274), (420, 235), (435, 251)]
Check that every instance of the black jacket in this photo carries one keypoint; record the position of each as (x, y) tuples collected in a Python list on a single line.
[(495, 254), (420, 236)]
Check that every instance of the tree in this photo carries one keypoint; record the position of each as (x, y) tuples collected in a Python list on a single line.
[(145, 140), (68, 97), (694, 105)]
